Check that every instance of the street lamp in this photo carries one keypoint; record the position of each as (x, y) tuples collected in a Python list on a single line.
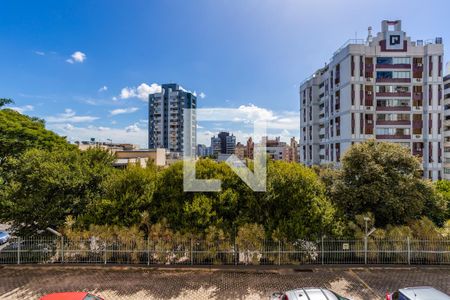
[(366, 236)]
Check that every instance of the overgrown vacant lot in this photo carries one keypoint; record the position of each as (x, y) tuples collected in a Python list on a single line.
[(31, 282)]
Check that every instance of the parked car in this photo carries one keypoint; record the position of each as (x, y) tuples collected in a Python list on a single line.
[(418, 293), (4, 237), (308, 293), (71, 296)]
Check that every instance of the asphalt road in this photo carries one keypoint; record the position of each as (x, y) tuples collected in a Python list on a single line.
[(31, 282)]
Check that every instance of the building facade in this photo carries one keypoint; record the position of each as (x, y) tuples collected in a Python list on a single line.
[(166, 119), (447, 127), (387, 88)]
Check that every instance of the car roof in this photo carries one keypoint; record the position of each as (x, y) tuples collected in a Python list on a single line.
[(424, 293), (65, 296), (3, 233), (311, 293)]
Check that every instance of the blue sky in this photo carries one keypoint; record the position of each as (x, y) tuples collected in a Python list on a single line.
[(249, 53)]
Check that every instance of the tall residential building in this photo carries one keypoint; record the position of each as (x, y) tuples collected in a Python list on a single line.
[(227, 142), (386, 87), (166, 109), (447, 127), (249, 148), (215, 146)]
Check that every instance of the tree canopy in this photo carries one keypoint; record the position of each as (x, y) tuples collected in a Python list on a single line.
[(385, 179)]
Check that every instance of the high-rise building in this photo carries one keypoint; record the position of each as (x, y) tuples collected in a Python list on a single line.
[(293, 150), (227, 142), (447, 127), (202, 150), (249, 148), (387, 87), (215, 146), (166, 116)]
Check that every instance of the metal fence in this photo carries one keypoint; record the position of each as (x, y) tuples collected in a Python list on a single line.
[(199, 252)]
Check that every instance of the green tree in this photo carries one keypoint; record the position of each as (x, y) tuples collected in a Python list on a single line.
[(5, 101), (19, 133), (43, 187), (126, 194), (385, 179), (443, 188)]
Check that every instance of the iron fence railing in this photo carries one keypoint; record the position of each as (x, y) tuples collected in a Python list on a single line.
[(47, 250)]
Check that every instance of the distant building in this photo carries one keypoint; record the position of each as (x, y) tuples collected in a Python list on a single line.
[(141, 157), (249, 148), (387, 87), (276, 149), (166, 117), (447, 127), (215, 146), (239, 151), (202, 150), (227, 142), (293, 151), (84, 145)]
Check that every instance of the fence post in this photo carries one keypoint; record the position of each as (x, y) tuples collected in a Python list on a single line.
[(409, 250), (18, 250), (148, 251), (62, 249), (104, 254), (365, 250), (279, 252), (192, 253), (322, 250)]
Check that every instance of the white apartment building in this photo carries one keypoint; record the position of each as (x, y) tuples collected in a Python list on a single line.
[(447, 127), (166, 119), (387, 87)]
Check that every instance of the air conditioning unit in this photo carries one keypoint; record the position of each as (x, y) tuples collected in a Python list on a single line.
[(369, 121), (369, 107), (418, 136), (369, 92), (418, 79), (419, 65)]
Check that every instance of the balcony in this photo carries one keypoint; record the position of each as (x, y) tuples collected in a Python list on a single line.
[(417, 123), (393, 108), (397, 122), (369, 67), (394, 80), (393, 94), (393, 137), (417, 96), (393, 66)]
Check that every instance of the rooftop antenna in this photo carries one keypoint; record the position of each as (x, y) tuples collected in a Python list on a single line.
[(369, 35)]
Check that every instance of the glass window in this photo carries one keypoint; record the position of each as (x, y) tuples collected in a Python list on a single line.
[(401, 74), (384, 74), (401, 60), (384, 60)]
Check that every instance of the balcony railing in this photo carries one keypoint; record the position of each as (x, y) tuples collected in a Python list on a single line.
[(393, 66), (395, 80), (393, 108), (396, 122), (393, 94), (393, 137)]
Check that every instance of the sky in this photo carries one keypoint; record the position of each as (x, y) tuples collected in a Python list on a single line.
[(87, 66)]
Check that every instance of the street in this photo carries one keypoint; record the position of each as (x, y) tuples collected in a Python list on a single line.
[(31, 282)]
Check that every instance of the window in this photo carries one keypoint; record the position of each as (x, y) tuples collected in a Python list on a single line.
[(392, 131), (392, 89), (392, 102), (393, 74), (393, 117), (393, 60)]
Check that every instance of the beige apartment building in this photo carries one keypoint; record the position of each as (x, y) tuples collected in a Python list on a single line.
[(387, 87)]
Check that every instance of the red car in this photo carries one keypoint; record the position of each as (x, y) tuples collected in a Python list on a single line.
[(71, 296)]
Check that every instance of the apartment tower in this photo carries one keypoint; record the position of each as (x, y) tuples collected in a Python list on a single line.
[(166, 119), (387, 87)]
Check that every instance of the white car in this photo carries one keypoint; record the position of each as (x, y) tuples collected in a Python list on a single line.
[(4, 237), (418, 293), (308, 294)]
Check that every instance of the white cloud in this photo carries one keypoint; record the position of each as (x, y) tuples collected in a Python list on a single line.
[(118, 135), (22, 109), (40, 53), (120, 111), (202, 95), (103, 89), (77, 57), (142, 91), (69, 116), (133, 128), (114, 98)]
